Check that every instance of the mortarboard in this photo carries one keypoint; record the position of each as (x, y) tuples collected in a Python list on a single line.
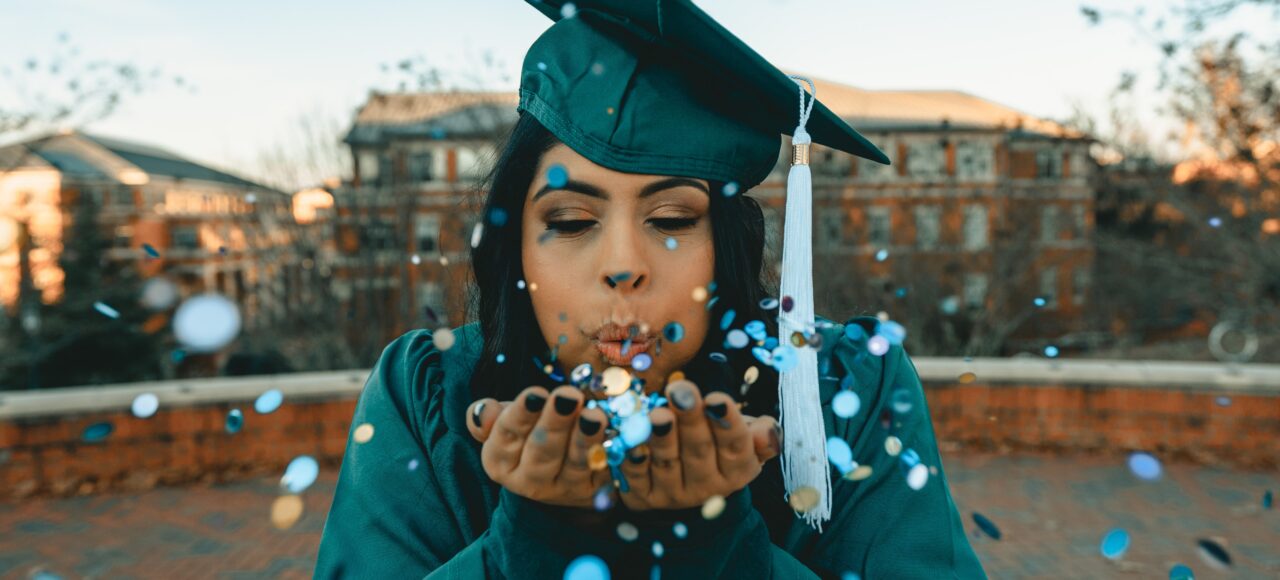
[(659, 87)]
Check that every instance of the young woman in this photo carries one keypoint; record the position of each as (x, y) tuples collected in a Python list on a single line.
[(617, 238)]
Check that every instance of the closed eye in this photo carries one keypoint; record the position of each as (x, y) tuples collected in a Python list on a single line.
[(674, 224), (570, 226)]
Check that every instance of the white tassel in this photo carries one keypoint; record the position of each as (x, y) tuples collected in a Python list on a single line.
[(804, 459)]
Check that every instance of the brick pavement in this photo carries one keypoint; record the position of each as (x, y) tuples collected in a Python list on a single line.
[(1051, 511)]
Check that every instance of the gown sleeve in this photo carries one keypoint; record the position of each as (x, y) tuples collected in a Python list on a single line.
[(881, 527)]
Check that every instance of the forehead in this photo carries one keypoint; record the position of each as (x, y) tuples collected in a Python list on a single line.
[(580, 168)]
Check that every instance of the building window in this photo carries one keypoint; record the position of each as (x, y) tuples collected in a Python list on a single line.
[(1048, 163), (369, 166), (1049, 223), (975, 290), (974, 160), (377, 236), (878, 225), (421, 164), (1049, 287), (185, 237), (426, 233), (927, 223), (1081, 279), (975, 227), (927, 160)]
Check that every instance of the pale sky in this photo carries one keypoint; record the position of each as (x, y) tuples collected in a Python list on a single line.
[(260, 66)]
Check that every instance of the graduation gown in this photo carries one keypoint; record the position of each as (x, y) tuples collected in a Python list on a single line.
[(414, 501)]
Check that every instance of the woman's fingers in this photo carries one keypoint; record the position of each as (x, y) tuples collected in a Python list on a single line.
[(506, 441), (665, 473), (545, 449), (481, 416), (766, 437), (697, 447), (735, 455), (587, 433)]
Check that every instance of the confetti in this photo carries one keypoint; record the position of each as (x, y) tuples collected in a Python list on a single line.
[(803, 499), (1145, 466), (854, 332), (616, 381), (1039, 302), (413, 465), (680, 530), (1115, 544), (477, 232), (151, 251), (586, 567), (892, 445), (235, 420), (416, 259), (671, 243), (1213, 554), (286, 510), (145, 405), (107, 311), (300, 474), (658, 550), (788, 303), (736, 339), (206, 323), (568, 11), (784, 358), (542, 66), (363, 433), (966, 378), (892, 331), (751, 375), (727, 320), (443, 338), (730, 189), (1215, 222), (846, 404), (1051, 351), (497, 217), (877, 345), (597, 458), (268, 402), (859, 473), (1181, 572), (603, 498), (699, 294), (882, 255), (987, 526), (673, 331), (501, 358), (628, 532), (159, 293), (641, 362), (755, 329), (97, 432), (557, 175), (769, 303), (713, 507), (840, 455), (917, 476), (901, 401)]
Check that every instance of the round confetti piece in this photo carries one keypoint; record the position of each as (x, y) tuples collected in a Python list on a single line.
[(788, 303), (586, 567), (730, 189), (1039, 302), (443, 339), (1145, 466), (363, 433), (268, 402), (1215, 222), (699, 294), (892, 445), (636, 429), (755, 329), (580, 374), (235, 420), (797, 339), (877, 345), (987, 526), (803, 499), (751, 375), (498, 216), (966, 378), (901, 401), (159, 293), (673, 331), (1115, 544), (641, 362), (784, 358), (882, 255), (1213, 554), (557, 175), (300, 474), (597, 458), (1223, 401), (839, 454), (542, 66), (846, 404), (680, 530), (658, 550), (206, 323), (671, 243), (97, 432), (848, 575), (854, 332), (413, 465), (1051, 351), (737, 339), (603, 498), (713, 507), (501, 358), (892, 331), (859, 473), (285, 511), (628, 532), (1181, 572), (145, 405), (917, 476), (769, 303), (616, 381)]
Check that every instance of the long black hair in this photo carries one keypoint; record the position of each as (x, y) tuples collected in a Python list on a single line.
[(514, 351)]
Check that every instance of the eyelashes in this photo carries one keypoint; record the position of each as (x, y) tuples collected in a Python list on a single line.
[(579, 226)]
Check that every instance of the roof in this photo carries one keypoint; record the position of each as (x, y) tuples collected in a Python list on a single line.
[(85, 156), (389, 114)]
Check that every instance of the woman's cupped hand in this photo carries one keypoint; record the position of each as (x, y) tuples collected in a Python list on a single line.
[(538, 447)]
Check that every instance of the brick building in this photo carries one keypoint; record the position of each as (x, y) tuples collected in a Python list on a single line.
[(983, 206)]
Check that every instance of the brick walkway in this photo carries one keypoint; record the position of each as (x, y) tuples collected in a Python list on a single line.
[(1052, 513)]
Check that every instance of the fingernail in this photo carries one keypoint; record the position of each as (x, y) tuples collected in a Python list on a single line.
[(534, 402), (588, 426), (475, 413), (683, 398), (662, 429), (718, 410), (565, 405), (637, 459)]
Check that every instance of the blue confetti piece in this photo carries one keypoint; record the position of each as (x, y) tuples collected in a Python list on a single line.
[(268, 401), (1181, 572), (97, 432), (673, 331), (1266, 500), (755, 329), (150, 250), (882, 255), (235, 420), (586, 567), (557, 176), (784, 358), (727, 320), (854, 332), (1115, 544), (671, 243), (107, 311), (300, 474), (987, 526), (1051, 351)]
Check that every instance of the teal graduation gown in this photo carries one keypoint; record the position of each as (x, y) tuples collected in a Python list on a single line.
[(414, 501)]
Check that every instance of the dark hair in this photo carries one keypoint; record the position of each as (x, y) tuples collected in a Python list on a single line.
[(505, 312)]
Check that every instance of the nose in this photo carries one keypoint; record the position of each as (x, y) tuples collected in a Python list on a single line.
[(624, 259)]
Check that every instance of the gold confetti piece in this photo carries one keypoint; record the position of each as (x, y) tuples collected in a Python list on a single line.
[(364, 433), (859, 473), (616, 380), (676, 376), (966, 378), (713, 507), (797, 339), (751, 375), (699, 294), (443, 338), (444, 260), (803, 499), (285, 511), (533, 286), (892, 446), (597, 459)]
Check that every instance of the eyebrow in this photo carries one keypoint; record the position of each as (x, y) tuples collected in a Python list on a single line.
[(650, 189)]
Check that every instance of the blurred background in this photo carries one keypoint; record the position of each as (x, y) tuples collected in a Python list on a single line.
[(214, 217)]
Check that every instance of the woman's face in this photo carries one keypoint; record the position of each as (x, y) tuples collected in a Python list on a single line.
[(610, 255)]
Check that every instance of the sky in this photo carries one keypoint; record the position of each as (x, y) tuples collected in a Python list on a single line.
[(257, 68)]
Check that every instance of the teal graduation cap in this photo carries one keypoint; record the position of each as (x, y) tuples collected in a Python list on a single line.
[(658, 87)]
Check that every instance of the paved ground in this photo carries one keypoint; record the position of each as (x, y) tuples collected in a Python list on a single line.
[(1052, 514)]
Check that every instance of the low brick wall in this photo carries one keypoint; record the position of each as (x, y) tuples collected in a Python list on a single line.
[(1174, 410)]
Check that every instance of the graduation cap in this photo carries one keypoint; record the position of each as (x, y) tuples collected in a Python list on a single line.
[(659, 87)]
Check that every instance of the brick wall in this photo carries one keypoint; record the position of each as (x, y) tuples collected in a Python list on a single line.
[(45, 455)]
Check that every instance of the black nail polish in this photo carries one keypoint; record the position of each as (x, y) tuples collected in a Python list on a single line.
[(662, 429), (565, 405), (637, 459), (475, 414), (534, 402), (588, 426), (718, 410), (683, 398)]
